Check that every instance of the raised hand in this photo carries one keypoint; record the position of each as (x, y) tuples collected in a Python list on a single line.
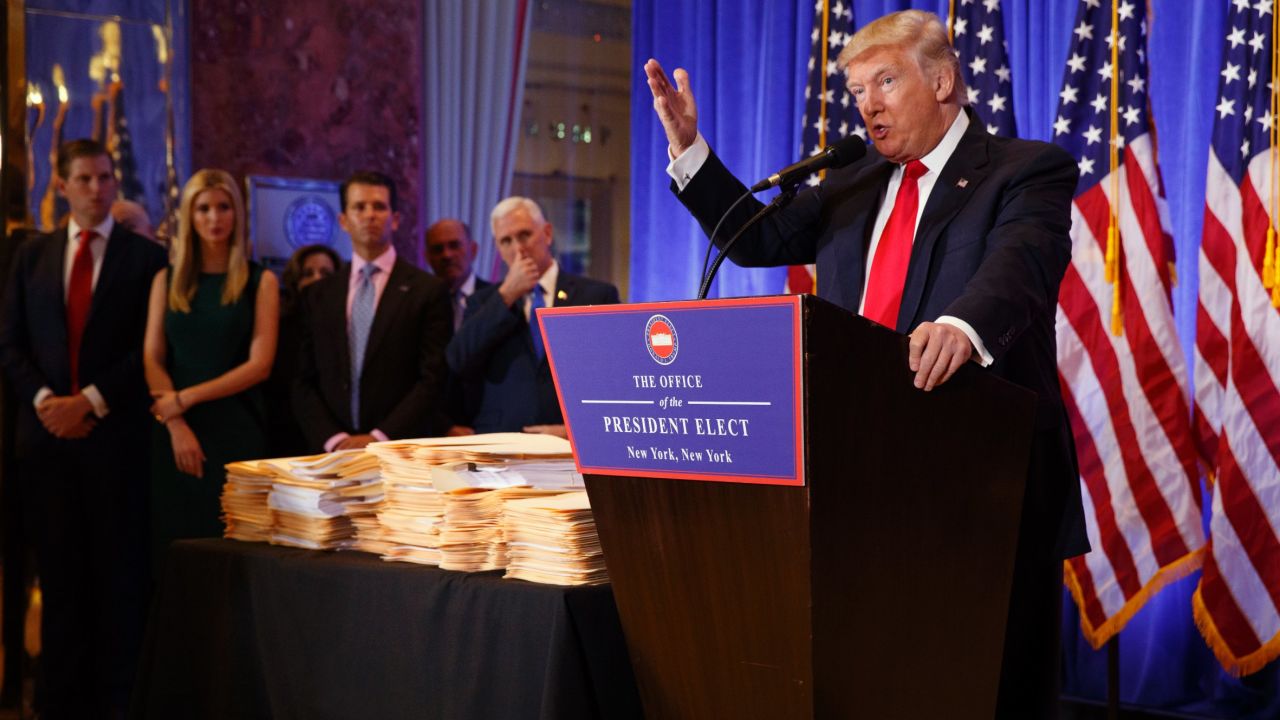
[(674, 105)]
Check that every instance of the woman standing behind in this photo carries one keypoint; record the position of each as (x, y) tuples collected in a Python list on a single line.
[(211, 338), (309, 264)]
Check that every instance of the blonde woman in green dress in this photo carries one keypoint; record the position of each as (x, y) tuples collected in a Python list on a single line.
[(210, 343)]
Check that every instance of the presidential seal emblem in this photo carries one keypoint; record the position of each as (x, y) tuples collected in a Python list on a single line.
[(307, 221), (660, 338)]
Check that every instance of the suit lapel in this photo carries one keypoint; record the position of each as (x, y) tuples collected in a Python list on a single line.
[(961, 175), (566, 287), (112, 261), (53, 281), (333, 316), (393, 296), (864, 196)]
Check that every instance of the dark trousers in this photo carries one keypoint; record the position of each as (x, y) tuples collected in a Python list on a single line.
[(90, 513)]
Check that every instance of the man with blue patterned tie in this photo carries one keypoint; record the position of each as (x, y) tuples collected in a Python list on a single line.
[(371, 362), (500, 343)]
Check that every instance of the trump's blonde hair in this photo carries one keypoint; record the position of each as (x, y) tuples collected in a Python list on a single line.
[(918, 31)]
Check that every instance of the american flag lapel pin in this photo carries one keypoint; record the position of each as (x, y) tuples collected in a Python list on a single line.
[(962, 183), (562, 295)]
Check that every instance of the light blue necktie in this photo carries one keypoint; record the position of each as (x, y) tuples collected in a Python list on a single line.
[(362, 308), (535, 330)]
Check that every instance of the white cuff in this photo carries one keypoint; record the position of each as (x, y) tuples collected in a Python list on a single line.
[(332, 442), (683, 168), (41, 395), (379, 435), (984, 357), (96, 400)]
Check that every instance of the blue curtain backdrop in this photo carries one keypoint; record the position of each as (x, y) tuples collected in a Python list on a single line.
[(747, 62), (472, 103)]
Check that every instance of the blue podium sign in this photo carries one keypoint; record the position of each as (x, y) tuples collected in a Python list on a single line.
[(686, 390)]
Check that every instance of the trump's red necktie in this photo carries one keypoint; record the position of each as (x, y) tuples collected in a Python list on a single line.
[(79, 295), (893, 252)]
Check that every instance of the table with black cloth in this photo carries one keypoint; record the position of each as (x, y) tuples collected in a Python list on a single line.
[(249, 630)]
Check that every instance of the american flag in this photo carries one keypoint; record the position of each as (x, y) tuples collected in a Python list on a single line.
[(1237, 359), (977, 30), (1121, 367), (830, 113)]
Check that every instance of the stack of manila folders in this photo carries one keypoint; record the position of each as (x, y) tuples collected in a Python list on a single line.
[(508, 501)]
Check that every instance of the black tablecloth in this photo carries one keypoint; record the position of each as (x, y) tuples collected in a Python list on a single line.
[(248, 630)]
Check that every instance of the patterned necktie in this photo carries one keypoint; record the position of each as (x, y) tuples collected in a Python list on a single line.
[(893, 253), (362, 309), (459, 308), (535, 330), (79, 296)]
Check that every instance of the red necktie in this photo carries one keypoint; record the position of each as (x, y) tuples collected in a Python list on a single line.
[(893, 252), (79, 295)]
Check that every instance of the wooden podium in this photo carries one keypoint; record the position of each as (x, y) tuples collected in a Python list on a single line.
[(877, 589)]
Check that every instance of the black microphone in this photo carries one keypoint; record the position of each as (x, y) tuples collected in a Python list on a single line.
[(844, 152)]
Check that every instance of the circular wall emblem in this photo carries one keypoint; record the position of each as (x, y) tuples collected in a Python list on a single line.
[(660, 338), (309, 220)]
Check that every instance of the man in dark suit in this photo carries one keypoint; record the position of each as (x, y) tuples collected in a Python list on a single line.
[(499, 343), (371, 360), (450, 252), (71, 343), (951, 235)]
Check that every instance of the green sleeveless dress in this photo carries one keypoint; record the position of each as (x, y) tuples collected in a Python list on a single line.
[(201, 345)]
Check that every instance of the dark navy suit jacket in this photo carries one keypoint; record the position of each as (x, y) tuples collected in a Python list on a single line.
[(991, 248), (494, 347), (402, 384), (33, 335)]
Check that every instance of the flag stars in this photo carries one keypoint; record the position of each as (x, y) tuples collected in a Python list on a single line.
[(973, 94), (1244, 148), (992, 129), (1002, 72), (1076, 63), (1257, 41), (1225, 108), (996, 103), (1084, 31), (1093, 135), (1061, 126), (1236, 37), (861, 132), (1091, 3), (1136, 84), (1086, 166), (1125, 11), (991, 5), (984, 34), (1241, 5), (1119, 142), (1123, 39), (1248, 113), (960, 27), (1130, 115), (832, 68), (1069, 94), (1253, 77), (978, 65), (1099, 103), (1266, 120), (1231, 73), (1105, 71), (1263, 7)]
